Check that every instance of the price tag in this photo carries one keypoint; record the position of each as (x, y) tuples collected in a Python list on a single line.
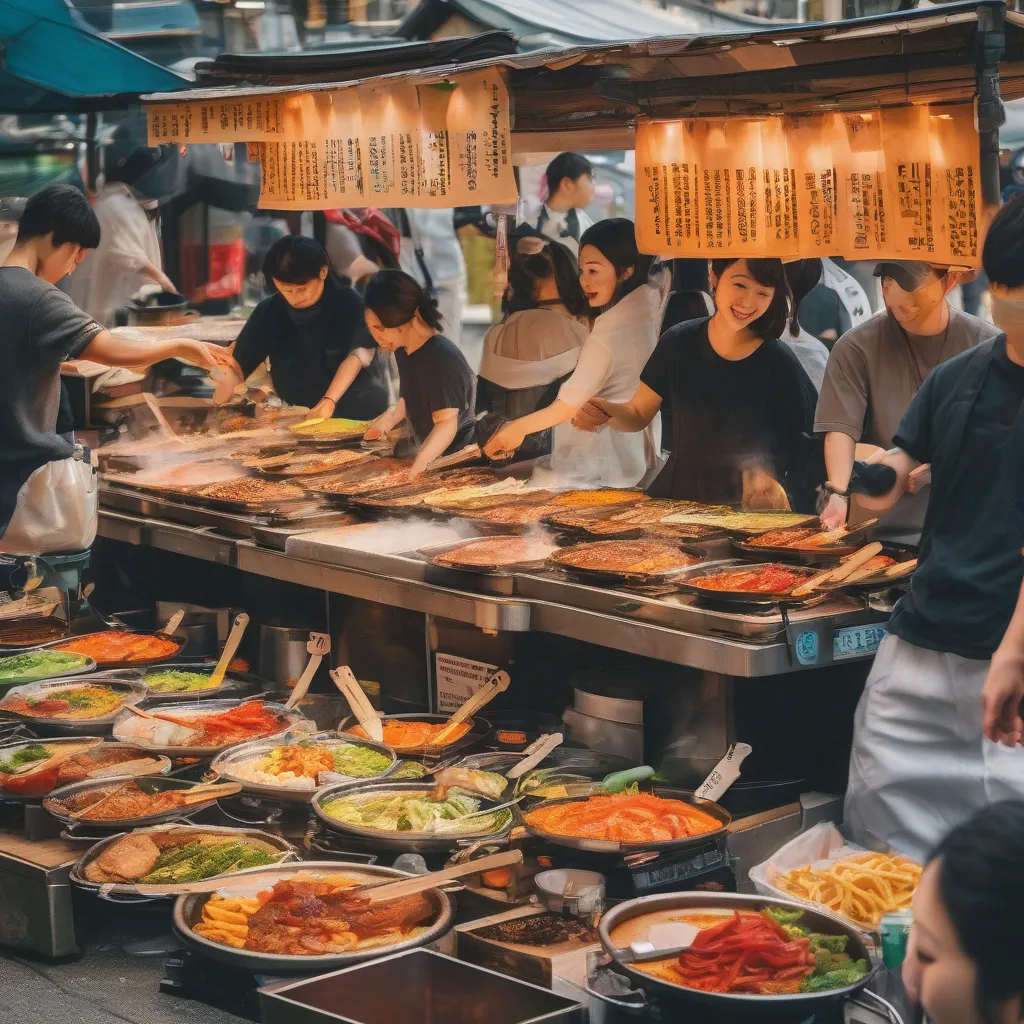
[(856, 641)]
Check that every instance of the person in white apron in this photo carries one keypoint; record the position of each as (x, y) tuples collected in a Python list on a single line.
[(533, 351), (47, 484), (614, 275), (921, 762)]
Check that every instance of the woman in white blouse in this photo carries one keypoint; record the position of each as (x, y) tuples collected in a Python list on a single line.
[(614, 275)]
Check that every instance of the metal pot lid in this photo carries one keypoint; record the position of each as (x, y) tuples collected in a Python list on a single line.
[(188, 911), (724, 1001), (226, 763)]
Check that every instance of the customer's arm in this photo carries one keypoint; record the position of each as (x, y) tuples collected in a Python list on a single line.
[(627, 417), (115, 351), (586, 380), (1003, 693)]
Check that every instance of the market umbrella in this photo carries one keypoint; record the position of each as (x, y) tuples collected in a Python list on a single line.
[(52, 61)]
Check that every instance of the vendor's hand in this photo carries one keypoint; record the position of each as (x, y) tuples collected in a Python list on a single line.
[(324, 409), (505, 441), (166, 283), (592, 416), (1001, 699), (377, 429), (762, 491), (919, 478), (833, 515)]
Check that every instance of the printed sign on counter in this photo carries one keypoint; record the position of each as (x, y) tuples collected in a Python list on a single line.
[(456, 680)]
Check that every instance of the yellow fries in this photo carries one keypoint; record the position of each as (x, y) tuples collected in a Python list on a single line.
[(862, 888)]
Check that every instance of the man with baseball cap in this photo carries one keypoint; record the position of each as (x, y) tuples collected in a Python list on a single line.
[(874, 372)]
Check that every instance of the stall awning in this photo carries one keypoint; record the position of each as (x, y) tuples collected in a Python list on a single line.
[(52, 61), (542, 25)]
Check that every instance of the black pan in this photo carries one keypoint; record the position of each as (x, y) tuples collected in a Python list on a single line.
[(612, 577), (715, 1005), (170, 656), (617, 847), (731, 597), (852, 542)]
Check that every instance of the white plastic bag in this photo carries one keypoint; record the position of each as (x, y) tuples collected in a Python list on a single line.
[(820, 847), (57, 510)]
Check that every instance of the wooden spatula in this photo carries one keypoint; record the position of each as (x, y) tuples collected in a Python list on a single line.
[(535, 753), (210, 791), (480, 699), (410, 886), (319, 644), (359, 702), (840, 572), (173, 622), (234, 639), (56, 759)]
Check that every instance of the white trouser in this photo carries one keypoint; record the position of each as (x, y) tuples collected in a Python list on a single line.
[(920, 764), (57, 510)]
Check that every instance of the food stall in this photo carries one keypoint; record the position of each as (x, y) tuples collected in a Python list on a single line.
[(665, 642)]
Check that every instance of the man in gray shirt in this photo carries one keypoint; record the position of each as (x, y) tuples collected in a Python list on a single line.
[(874, 372), (42, 328)]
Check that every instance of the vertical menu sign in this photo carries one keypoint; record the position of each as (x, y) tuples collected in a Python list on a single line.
[(668, 220)]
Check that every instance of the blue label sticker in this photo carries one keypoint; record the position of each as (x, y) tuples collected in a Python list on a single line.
[(807, 647)]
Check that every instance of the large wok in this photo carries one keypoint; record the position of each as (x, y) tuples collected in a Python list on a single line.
[(188, 911), (614, 846), (801, 1005)]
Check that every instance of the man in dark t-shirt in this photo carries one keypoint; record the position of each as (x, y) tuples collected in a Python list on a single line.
[(42, 328), (920, 763)]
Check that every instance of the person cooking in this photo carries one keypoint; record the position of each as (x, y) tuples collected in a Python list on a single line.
[(313, 331), (741, 404), (920, 761), (47, 491), (437, 389), (614, 275), (532, 352), (873, 374)]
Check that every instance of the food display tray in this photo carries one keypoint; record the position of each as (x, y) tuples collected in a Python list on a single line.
[(223, 764), (113, 890), (145, 663), (744, 598), (188, 911), (126, 680)]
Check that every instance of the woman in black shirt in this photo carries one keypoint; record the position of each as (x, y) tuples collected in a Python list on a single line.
[(437, 389), (313, 332), (742, 406)]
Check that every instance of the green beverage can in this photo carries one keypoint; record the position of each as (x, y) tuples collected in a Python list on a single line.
[(894, 930)]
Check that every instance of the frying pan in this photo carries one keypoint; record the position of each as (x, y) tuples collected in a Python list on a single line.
[(403, 842), (478, 730), (800, 1006), (100, 663), (616, 576), (852, 542), (188, 911), (743, 597), (614, 846)]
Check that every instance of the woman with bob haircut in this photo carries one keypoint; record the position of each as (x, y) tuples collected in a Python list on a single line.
[(626, 310), (312, 330), (742, 406), (437, 389)]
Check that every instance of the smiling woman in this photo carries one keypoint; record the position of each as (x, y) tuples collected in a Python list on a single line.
[(742, 407)]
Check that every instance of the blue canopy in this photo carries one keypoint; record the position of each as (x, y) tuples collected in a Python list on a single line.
[(52, 61)]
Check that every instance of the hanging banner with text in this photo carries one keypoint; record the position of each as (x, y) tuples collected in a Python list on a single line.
[(388, 144), (899, 183)]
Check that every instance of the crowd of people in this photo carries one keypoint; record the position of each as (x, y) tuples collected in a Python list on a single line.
[(696, 381)]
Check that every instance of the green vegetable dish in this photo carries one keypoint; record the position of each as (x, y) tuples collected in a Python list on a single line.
[(395, 811), (835, 968), (359, 762), (34, 665), (204, 859), (22, 757), (176, 681)]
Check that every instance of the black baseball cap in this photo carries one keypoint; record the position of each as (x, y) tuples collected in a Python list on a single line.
[(908, 274)]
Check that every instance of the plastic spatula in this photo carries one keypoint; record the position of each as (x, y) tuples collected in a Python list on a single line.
[(319, 644)]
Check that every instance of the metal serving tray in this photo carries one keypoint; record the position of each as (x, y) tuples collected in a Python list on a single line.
[(188, 911), (126, 681)]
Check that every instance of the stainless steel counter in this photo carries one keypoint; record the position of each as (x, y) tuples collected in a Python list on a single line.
[(672, 628)]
